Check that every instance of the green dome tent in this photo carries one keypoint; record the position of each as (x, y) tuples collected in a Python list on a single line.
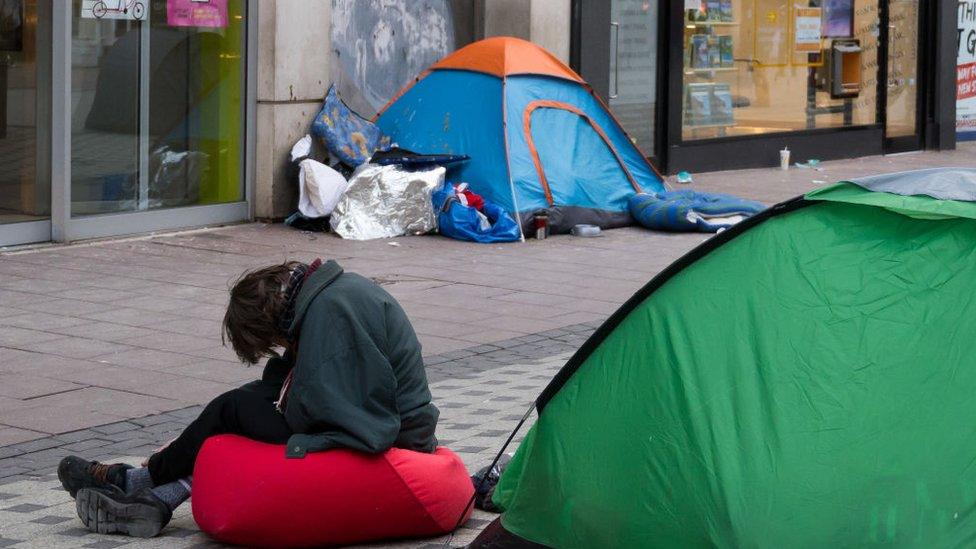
[(805, 379)]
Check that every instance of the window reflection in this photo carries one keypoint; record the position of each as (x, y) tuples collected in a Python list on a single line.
[(24, 193), (190, 150)]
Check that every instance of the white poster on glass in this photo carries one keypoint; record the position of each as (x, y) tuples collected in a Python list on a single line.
[(133, 10), (966, 71), (808, 29)]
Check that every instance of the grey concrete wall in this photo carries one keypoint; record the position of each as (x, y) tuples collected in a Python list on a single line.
[(545, 22), (293, 75), (550, 22), (379, 47), (507, 18)]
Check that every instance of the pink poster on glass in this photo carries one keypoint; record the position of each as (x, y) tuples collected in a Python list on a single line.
[(196, 13)]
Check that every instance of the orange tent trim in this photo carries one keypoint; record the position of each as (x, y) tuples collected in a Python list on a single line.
[(527, 128), (505, 55), (499, 56)]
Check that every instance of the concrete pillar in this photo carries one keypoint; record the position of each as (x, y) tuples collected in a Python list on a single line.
[(293, 76), (550, 24), (545, 22), (507, 18)]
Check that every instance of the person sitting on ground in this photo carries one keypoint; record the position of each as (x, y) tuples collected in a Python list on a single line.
[(351, 376)]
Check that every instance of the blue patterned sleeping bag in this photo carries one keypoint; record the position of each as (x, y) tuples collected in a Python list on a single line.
[(687, 210)]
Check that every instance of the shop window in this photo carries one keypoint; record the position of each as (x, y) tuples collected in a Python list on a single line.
[(157, 104), (765, 66), (24, 182)]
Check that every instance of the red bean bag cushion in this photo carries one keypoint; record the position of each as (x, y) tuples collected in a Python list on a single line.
[(247, 493)]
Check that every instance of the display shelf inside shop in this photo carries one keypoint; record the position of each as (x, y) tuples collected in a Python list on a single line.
[(708, 126), (708, 81), (696, 24), (691, 71)]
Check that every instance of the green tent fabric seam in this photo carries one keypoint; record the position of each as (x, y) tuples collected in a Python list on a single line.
[(917, 206)]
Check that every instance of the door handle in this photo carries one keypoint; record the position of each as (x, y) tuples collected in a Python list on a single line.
[(615, 29)]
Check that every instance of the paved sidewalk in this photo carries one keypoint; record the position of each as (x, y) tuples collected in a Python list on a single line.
[(109, 348)]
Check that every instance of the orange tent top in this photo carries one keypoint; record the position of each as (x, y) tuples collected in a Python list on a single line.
[(505, 55)]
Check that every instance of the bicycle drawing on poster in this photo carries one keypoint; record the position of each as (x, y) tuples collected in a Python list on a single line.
[(114, 9)]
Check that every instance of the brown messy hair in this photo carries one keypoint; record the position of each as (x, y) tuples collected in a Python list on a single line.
[(257, 301)]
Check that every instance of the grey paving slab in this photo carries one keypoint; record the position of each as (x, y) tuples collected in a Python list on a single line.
[(152, 383), (93, 294), (166, 341), (215, 370), (23, 508), (194, 326), (72, 347), (69, 411), (22, 338), (103, 331), (26, 362), (66, 307), (142, 358), (24, 386), (216, 352), (120, 314), (40, 321), (12, 298), (85, 445), (50, 519)]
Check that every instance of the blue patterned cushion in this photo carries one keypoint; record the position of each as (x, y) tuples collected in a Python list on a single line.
[(348, 136)]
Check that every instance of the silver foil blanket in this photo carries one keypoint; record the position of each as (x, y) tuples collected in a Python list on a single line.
[(386, 201)]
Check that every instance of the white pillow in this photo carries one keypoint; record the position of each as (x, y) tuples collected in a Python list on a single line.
[(319, 188)]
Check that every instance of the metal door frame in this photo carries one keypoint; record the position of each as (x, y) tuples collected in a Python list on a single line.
[(592, 18), (64, 228), (31, 232), (907, 143)]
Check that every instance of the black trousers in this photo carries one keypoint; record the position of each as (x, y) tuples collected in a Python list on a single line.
[(247, 411)]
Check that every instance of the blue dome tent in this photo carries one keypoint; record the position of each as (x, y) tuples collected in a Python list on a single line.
[(538, 137)]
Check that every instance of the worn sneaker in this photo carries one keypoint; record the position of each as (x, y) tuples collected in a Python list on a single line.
[(109, 511), (77, 473)]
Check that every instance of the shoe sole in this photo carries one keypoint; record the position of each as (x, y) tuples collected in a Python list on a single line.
[(104, 515)]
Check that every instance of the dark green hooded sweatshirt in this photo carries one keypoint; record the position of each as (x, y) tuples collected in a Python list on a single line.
[(359, 380)]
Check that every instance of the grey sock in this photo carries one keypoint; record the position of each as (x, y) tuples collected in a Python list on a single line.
[(136, 479), (174, 493)]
